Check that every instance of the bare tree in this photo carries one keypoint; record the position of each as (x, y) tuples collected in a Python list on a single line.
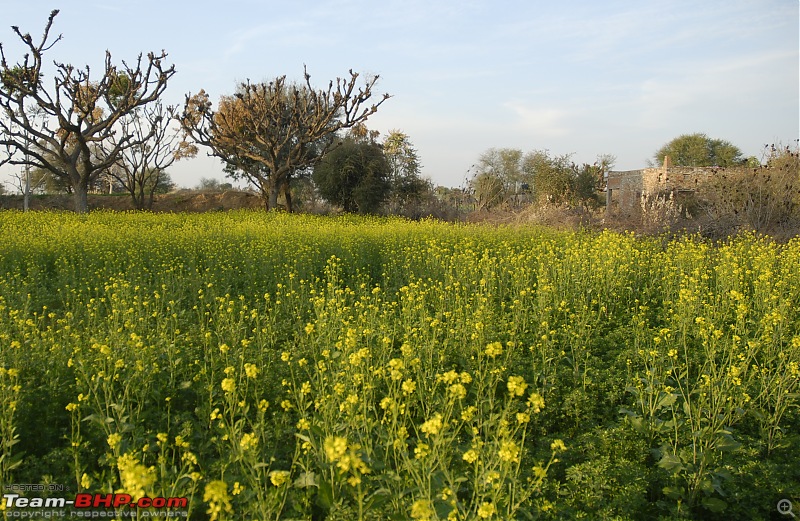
[(141, 165), (27, 182), (270, 132), (81, 115)]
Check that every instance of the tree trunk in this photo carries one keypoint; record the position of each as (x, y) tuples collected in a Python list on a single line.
[(287, 195), (79, 196), (263, 189), (138, 201), (134, 197), (272, 202)]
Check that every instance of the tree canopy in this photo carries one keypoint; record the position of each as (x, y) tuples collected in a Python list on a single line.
[(407, 187), (498, 176), (699, 150), (354, 176), (507, 176)]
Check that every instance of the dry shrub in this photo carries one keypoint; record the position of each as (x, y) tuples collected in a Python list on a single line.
[(180, 201), (561, 216), (764, 199), (659, 212), (655, 214), (429, 206)]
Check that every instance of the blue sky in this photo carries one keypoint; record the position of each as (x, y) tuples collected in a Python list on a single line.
[(586, 77)]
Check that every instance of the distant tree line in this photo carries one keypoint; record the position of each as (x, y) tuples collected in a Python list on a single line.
[(507, 177)]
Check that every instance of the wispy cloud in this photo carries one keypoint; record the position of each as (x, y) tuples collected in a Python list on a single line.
[(296, 34), (539, 121), (711, 87), (105, 6), (241, 40)]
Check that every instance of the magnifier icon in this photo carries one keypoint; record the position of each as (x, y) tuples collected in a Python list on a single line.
[(785, 508)]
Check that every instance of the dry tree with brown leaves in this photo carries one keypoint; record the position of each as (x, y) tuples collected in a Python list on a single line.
[(270, 132)]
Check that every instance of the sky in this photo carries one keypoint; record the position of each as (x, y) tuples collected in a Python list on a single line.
[(581, 77)]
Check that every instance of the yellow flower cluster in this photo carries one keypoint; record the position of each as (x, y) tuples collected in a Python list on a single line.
[(219, 502), (494, 349), (433, 426), (279, 477), (136, 479), (516, 385)]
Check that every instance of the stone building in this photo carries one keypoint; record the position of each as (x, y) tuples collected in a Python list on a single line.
[(626, 189)]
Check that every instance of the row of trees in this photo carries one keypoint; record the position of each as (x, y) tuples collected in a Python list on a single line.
[(79, 128), (39, 181), (273, 132), (509, 177)]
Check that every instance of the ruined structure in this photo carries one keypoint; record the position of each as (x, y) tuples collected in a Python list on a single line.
[(626, 189)]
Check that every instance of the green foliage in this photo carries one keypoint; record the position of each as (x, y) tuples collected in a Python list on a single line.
[(553, 176), (210, 184), (607, 476), (17, 78), (120, 88), (509, 177), (355, 176), (43, 181), (585, 182), (407, 187), (401, 155), (699, 150), (164, 183), (498, 177)]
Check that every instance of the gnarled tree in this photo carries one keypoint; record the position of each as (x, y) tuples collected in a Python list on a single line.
[(270, 132), (78, 115)]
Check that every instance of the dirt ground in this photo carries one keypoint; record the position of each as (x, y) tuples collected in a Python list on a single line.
[(173, 202)]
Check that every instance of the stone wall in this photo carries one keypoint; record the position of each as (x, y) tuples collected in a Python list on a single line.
[(628, 187), (625, 188), (676, 178)]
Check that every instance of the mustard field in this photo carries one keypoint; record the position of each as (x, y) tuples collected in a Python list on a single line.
[(298, 367)]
